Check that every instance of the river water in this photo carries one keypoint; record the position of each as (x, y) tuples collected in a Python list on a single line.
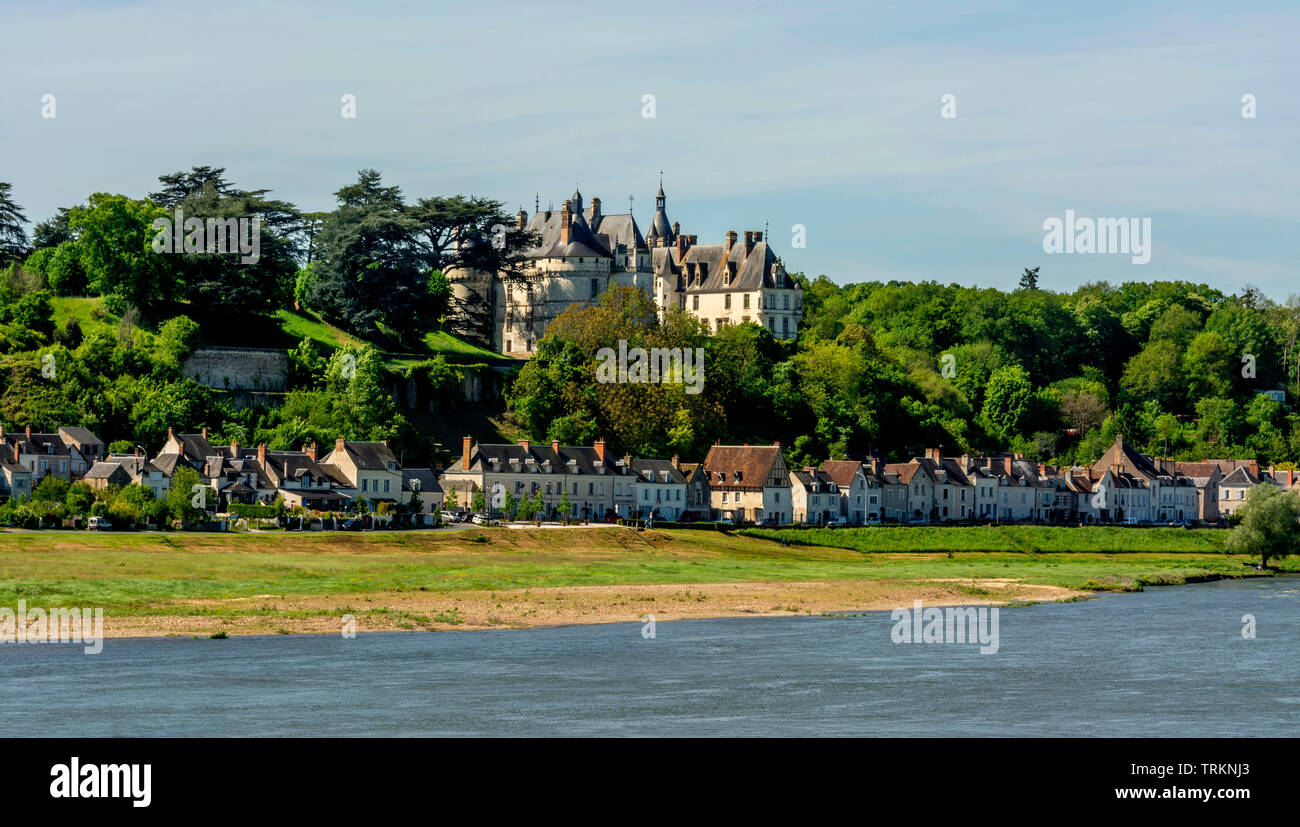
[(1164, 662)]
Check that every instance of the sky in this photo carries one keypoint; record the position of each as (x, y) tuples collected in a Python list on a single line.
[(829, 116)]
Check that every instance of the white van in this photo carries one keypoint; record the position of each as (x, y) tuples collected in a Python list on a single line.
[(99, 524)]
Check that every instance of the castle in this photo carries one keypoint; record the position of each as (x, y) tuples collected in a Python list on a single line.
[(583, 251)]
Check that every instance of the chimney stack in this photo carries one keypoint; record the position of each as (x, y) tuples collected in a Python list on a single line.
[(29, 433), (749, 242), (677, 461), (1042, 470), (555, 446), (1007, 464), (595, 211), (600, 449), (234, 448), (758, 236), (681, 248), (340, 445), (523, 443), (566, 224), (521, 219), (310, 450), (17, 451), (261, 454), (465, 444), (169, 434), (204, 431), (731, 240)]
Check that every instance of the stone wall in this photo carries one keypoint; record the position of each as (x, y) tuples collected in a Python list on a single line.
[(238, 369)]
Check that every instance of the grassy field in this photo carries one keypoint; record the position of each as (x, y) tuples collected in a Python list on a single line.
[(156, 575), (1013, 538)]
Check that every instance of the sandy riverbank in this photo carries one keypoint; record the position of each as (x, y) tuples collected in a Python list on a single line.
[(560, 606)]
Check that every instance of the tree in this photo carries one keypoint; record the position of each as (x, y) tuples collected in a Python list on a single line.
[(415, 505), (114, 240), (13, 233), (1268, 525), (371, 275), (565, 506), (1006, 403), (477, 504), (1029, 279), (180, 495)]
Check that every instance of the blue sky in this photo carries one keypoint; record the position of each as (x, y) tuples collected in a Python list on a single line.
[(825, 115)]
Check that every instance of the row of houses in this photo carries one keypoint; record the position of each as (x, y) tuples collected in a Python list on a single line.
[(740, 483), (333, 481), (752, 484)]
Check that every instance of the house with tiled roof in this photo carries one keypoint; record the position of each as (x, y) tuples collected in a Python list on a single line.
[(814, 497), (749, 483), (595, 484), (300, 480), (190, 449), (41, 454), (856, 503), (369, 470), (658, 488), (422, 483)]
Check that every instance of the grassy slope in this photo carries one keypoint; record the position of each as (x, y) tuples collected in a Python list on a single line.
[(1018, 538), (130, 574)]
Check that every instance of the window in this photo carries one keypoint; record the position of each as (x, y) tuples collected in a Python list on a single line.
[(595, 288), (746, 301), (364, 483), (726, 302), (386, 486), (785, 324), (695, 302), (785, 302)]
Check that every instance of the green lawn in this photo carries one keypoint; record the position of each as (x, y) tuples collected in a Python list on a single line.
[(145, 574), (83, 309), (1015, 538)]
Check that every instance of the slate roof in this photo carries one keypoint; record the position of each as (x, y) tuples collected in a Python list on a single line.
[(426, 477), (658, 470), (370, 456), (512, 458)]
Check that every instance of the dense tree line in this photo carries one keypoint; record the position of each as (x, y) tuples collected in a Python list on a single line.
[(889, 369)]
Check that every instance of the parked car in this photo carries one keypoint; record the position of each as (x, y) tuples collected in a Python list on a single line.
[(351, 525), (99, 524)]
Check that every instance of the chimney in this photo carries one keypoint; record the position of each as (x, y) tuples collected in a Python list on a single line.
[(731, 240), (464, 453), (340, 445), (310, 450), (204, 431), (17, 451), (521, 219), (566, 224), (136, 450), (29, 432), (600, 449), (234, 448), (776, 445), (169, 434), (749, 242), (1042, 470), (933, 453), (555, 446), (677, 461), (758, 236), (261, 454), (1007, 464), (681, 248), (677, 228), (1290, 478), (595, 211), (523, 443)]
